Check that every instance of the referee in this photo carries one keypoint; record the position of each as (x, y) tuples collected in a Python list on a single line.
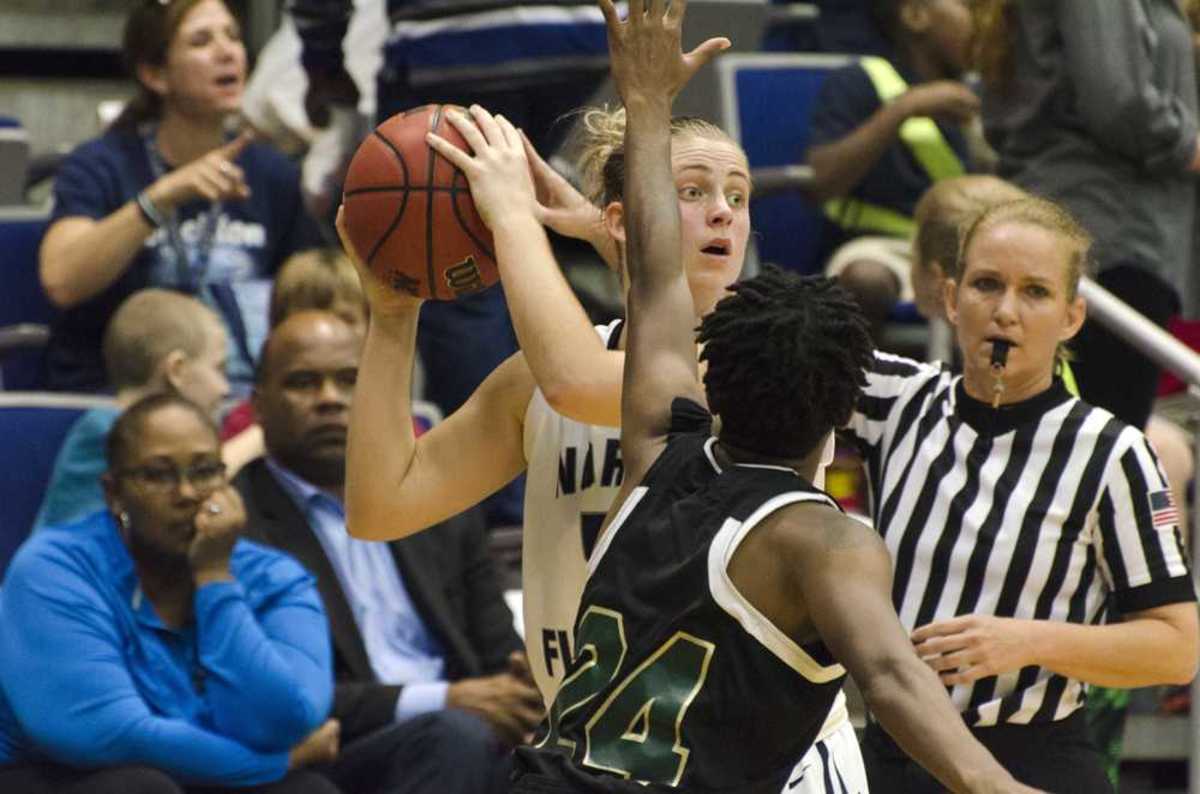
[(1012, 510)]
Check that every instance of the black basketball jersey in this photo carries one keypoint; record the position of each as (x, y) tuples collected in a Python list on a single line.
[(677, 680)]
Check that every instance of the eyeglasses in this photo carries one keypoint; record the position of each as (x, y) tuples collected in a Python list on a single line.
[(160, 478)]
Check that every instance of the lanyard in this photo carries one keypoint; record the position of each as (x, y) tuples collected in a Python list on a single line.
[(189, 270)]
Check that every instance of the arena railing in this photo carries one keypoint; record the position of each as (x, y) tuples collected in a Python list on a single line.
[(1172, 355)]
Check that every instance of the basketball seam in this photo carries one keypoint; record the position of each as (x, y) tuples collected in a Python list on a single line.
[(454, 191), (403, 201), (398, 188), (434, 122)]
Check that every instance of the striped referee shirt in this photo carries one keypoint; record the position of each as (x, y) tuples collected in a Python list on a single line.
[(1038, 510)]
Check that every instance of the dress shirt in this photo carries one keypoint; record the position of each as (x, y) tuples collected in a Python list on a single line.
[(400, 647)]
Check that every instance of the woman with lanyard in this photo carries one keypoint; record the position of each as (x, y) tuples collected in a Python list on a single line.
[(167, 198), (1013, 510)]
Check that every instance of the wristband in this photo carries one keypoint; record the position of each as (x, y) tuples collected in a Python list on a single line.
[(153, 215)]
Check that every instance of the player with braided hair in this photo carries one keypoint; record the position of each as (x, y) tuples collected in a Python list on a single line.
[(811, 337), (725, 588)]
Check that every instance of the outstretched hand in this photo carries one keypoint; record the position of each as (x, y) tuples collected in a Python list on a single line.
[(648, 62)]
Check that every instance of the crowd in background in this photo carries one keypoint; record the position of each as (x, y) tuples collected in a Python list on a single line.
[(190, 600)]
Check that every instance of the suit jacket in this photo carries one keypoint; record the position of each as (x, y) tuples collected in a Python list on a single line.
[(446, 569)]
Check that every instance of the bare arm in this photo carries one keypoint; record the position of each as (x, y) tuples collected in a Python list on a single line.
[(841, 573), (840, 165), (1154, 646), (578, 376), (81, 257), (397, 484), (649, 69)]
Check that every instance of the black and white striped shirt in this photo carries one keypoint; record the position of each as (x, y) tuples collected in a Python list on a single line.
[(1036, 511)]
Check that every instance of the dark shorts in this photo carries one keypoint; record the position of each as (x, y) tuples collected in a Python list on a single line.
[(1056, 756)]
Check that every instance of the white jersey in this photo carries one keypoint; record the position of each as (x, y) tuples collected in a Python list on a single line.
[(573, 476)]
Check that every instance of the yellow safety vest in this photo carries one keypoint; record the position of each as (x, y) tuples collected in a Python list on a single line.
[(923, 139)]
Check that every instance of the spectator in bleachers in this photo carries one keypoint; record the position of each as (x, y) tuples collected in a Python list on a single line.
[(432, 689), (1094, 105), (159, 341), (884, 130), (941, 215), (167, 198), (322, 279), (148, 650)]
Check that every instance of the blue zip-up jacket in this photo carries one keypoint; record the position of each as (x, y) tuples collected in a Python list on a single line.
[(89, 675)]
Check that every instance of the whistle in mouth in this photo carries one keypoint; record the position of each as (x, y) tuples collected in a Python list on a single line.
[(999, 354), (999, 358)]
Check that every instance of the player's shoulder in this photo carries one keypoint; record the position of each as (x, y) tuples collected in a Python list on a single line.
[(807, 527)]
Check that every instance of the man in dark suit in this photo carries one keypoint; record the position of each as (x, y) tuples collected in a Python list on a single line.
[(432, 689)]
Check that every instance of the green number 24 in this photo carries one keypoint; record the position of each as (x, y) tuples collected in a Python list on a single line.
[(636, 731)]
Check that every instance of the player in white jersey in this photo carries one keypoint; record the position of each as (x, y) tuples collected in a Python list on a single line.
[(548, 405)]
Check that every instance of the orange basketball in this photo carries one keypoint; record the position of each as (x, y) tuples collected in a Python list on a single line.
[(409, 211)]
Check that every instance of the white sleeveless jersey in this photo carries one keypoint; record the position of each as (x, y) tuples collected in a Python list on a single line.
[(573, 475)]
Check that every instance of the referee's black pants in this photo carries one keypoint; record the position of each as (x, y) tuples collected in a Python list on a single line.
[(1058, 757)]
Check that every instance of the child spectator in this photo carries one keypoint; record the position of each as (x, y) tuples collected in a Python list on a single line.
[(159, 341)]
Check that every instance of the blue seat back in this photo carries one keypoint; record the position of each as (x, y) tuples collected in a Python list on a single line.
[(767, 102), (33, 426), (22, 299)]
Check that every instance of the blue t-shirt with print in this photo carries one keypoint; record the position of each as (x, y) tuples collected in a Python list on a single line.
[(250, 240), (847, 99)]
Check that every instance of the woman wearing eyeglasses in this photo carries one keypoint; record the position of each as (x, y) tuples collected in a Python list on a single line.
[(168, 197), (146, 650)]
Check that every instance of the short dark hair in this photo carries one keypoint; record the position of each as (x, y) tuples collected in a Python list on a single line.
[(126, 432), (786, 358)]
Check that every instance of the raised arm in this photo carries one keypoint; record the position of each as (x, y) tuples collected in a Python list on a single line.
[(397, 484), (649, 69), (579, 377)]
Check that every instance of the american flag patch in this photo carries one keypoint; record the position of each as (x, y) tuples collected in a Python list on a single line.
[(1162, 509)]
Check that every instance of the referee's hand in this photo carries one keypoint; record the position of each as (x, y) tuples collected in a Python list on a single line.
[(967, 648)]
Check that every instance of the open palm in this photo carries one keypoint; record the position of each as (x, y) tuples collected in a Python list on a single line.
[(648, 61)]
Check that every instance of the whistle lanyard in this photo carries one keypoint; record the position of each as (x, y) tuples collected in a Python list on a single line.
[(190, 270)]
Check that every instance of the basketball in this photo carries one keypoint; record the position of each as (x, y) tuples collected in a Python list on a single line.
[(409, 211)]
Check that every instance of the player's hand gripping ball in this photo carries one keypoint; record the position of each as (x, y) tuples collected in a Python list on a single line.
[(409, 212)]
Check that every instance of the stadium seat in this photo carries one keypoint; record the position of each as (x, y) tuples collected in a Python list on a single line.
[(766, 103), (25, 312), (33, 426)]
